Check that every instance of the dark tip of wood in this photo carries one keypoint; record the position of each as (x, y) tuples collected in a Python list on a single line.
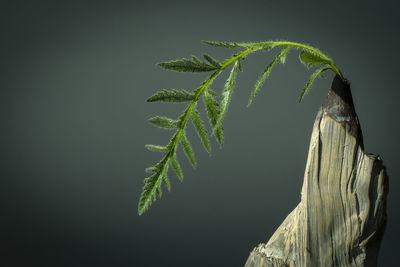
[(339, 106), (339, 101)]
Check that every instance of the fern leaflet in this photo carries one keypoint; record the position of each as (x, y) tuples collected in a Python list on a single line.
[(164, 122), (177, 167), (186, 65), (156, 148), (212, 107), (212, 61), (152, 187), (171, 96), (226, 96), (311, 59), (266, 73), (311, 80), (201, 131), (187, 148)]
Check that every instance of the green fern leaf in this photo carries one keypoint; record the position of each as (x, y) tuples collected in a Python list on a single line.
[(266, 73), (309, 59), (212, 61), (164, 122), (282, 59), (196, 60), (200, 128), (213, 114), (177, 167), (167, 182), (152, 187), (262, 45), (240, 65), (224, 44), (159, 193), (186, 65), (226, 96), (156, 148), (213, 93), (311, 80), (171, 96), (187, 148), (216, 112), (152, 169)]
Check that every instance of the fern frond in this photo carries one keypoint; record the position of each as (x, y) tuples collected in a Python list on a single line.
[(186, 65), (226, 96), (266, 73), (195, 59), (261, 45), (152, 187), (171, 96), (212, 92), (156, 148), (177, 167), (225, 44), (151, 169), (212, 61), (200, 128), (187, 148), (311, 80), (164, 122), (166, 182), (213, 114), (240, 66), (312, 59), (282, 59), (159, 193), (309, 56)]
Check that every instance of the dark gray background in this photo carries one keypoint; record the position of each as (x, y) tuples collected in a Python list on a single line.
[(74, 79)]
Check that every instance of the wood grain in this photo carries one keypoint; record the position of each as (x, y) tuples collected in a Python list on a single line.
[(341, 217)]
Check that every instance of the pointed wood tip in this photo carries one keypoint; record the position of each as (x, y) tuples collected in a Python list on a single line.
[(339, 102), (339, 106)]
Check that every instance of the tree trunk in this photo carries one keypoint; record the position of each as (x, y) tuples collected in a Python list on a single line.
[(341, 217)]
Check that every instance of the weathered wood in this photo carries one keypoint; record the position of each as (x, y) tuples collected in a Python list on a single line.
[(341, 217)]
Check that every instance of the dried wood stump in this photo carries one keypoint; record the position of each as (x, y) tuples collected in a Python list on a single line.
[(341, 217)]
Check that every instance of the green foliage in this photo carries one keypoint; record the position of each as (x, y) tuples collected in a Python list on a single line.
[(164, 122), (177, 167), (212, 107), (186, 65), (216, 111), (201, 130), (317, 73), (166, 182), (171, 96), (156, 148), (267, 72), (261, 45), (226, 97), (152, 186), (212, 61), (226, 44), (196, 60), (187, 148), (312, 59)]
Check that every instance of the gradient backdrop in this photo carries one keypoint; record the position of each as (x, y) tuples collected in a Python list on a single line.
[(74, 79)]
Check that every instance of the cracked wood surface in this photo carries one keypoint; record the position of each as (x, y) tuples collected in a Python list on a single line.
[(341, 217)]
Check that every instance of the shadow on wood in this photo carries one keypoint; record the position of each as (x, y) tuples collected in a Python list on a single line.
[(341, 217)]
